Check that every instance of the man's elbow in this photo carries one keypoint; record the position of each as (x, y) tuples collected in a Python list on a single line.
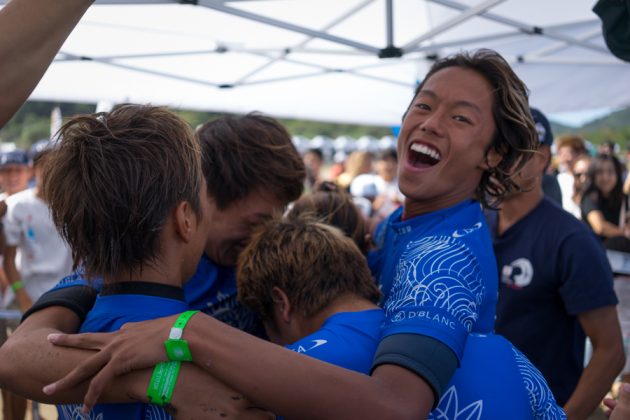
[(7, 364), (619, 359)]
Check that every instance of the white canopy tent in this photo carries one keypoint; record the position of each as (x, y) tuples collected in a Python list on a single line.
[(335, 60)]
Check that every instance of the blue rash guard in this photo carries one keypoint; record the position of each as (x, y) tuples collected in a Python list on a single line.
[(212, 290), (116, 305), (438, 274), (439, 279), (346, 339), (495, 381)]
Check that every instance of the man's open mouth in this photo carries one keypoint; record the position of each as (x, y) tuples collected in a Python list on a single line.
[(423, 156)]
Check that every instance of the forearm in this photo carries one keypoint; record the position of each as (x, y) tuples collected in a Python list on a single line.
[(602, 227), (609, 230), (296, 386), (31, 33), (8, 263), (28, 362), (595, 382)]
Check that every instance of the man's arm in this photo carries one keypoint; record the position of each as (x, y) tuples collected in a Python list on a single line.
[(13, 277), (602, 327), (28, 362), (285, 382), (31, 33)]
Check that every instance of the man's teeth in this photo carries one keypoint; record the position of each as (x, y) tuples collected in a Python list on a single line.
[(421, 148)]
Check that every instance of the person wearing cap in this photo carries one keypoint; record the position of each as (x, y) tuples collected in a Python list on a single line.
[(550, 184), (28, 227), (15, 174), (555, 290)]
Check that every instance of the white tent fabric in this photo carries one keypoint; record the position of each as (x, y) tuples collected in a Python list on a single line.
[(320, 59)]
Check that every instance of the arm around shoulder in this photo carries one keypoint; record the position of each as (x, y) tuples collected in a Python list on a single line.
[(28, 361), (297, 386)]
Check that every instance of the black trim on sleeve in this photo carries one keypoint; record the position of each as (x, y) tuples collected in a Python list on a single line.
[(429, 358), (79, 299), (143, 288)]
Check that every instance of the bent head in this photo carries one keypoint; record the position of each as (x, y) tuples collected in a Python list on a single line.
[(252, 170), (334, 206), (115, 180), (469, 119), (294, 268)]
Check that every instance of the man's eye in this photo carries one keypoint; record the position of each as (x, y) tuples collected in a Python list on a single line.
[(461, 118), (424, 107)]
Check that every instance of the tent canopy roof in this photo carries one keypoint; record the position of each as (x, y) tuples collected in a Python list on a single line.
[(335, 60)]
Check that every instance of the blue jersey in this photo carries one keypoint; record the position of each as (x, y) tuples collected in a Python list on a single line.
[(347, 339), (438, 274), (113, 308), (496, 381), (212, 290)]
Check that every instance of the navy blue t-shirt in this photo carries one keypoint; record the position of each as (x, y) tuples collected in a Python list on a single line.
[(438, 274), (552, 268), (115, 306)]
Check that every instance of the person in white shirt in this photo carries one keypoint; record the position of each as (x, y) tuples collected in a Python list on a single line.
[(44, 257)]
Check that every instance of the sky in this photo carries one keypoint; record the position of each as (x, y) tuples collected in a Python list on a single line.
[(577, 119)]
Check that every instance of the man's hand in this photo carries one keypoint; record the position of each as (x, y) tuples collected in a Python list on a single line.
[(135, 346), (621, 407)]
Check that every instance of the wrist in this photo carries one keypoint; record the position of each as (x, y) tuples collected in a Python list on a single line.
[(17, 285), (176, 346), (198, 337)]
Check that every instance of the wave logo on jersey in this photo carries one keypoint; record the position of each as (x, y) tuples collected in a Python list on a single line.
[(316, 343), (73, 412), (541, 399), (518, 274), (438, 272), (448, 408), (463, 232)]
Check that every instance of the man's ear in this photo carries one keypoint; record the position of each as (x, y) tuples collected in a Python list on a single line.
[(281, 303), (185, 219), (492, 160)]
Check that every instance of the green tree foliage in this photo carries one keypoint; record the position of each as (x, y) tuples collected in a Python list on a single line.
[(32, 122)]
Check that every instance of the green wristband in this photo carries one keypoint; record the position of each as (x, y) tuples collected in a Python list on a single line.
[(162, 383), (177, 349), (17, 285)]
